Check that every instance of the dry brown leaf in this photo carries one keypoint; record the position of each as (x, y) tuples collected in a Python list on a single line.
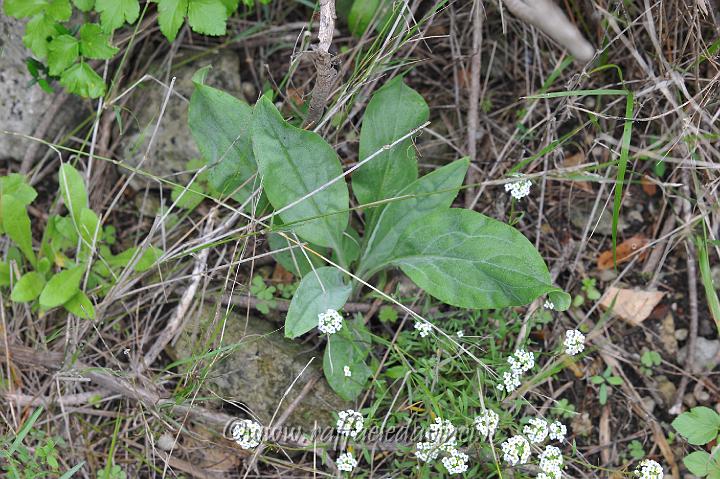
[(575, 160), (648, 186), (624, 252), (631, 305)]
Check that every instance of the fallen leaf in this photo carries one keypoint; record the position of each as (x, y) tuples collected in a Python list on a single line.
[(648, 186), (281, 275), (631, 305), (624, 251), (575, 160)]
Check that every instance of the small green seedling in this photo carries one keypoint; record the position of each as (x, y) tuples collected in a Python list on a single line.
[(605, 381)]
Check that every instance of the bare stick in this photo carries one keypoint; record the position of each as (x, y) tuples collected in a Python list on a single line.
[(549, 19), (175, 323), (322, 58), (472, 133)]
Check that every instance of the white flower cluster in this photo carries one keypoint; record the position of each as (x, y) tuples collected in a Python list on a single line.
[(549, 304), (423, 327), (346, 462), (330, 322), (520, 362), (487, 422), (247, 433), (551, 463), (574, 342), (558, 431), (519, 188), (347, 372), (649, 469), (516, 450), (537, 430), (456, 462), (350, 423), (440, 438)]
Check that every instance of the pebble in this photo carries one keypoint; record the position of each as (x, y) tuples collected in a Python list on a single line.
[(165, 442), (689, 400), (702, 396), (707, 354), (666, 389), (681, 334), (648, 404)]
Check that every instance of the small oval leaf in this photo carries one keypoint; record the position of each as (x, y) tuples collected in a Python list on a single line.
[(28, 287), (61, 287), (318, 291)]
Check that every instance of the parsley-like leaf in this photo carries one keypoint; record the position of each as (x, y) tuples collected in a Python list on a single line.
[(59, 10), (24, 8), (94, 43), (82, 80), (62, 52), (84, 5), (207, 16), (113, 13), (37, 32), (171, 15)]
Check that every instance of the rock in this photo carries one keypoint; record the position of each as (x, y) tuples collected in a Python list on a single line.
[(667, 335), (259, 369), (666, 389), (648, 404), (173, 146), (702, 396), (23, 105), (689, 400), (681, 334), (165, 442), (707, 354)]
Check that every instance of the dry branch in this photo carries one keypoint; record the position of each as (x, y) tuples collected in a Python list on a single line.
[(326, 72)]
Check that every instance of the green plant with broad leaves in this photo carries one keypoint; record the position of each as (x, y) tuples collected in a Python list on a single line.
[(701, 427), (73, 256), (65, 36), (458, 256)]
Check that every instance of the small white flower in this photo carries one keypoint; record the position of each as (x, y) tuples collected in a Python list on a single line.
[(511, 381), (537, 430), (441, 433), (247, 433), (519, 188), (516, 450), (551, 461), (349, 423), (456, 462), (574, 342), (330, 322), (549, 475), (486, 422), (423, 327), (521, 361), (649, 469), (460, 333), (427, 451), (549, 304), (346, 462), (558, 431), (347, 372)]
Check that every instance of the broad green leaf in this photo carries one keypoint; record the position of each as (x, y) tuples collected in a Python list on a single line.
[(294, 260), (393, 111), (82, 80), (698, 426), (81, 306), (84, 5), (207, 16), (434, 191), (63, 50), (148, 259), (89, 226), (294, 163), (24, 8), (171, 16), (59, 10), (5, 273), (347, 348), (94, 43), (698, 463), (319, 291), (230, 6), (114, 13), (220, 125), (72, 188), (466, 259), (16, 184), (16, 224), (61, 287), (187, 197), (361, 14), (37, 31), (28, 287)]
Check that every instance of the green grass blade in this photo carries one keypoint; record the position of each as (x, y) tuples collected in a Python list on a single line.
[(706, 277), (72, 471), (622, 167), (24, 430)]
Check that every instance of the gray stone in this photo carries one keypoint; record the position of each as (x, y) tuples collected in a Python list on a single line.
[(707, 354), (173, 145), (260, 368), (22, 105)]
